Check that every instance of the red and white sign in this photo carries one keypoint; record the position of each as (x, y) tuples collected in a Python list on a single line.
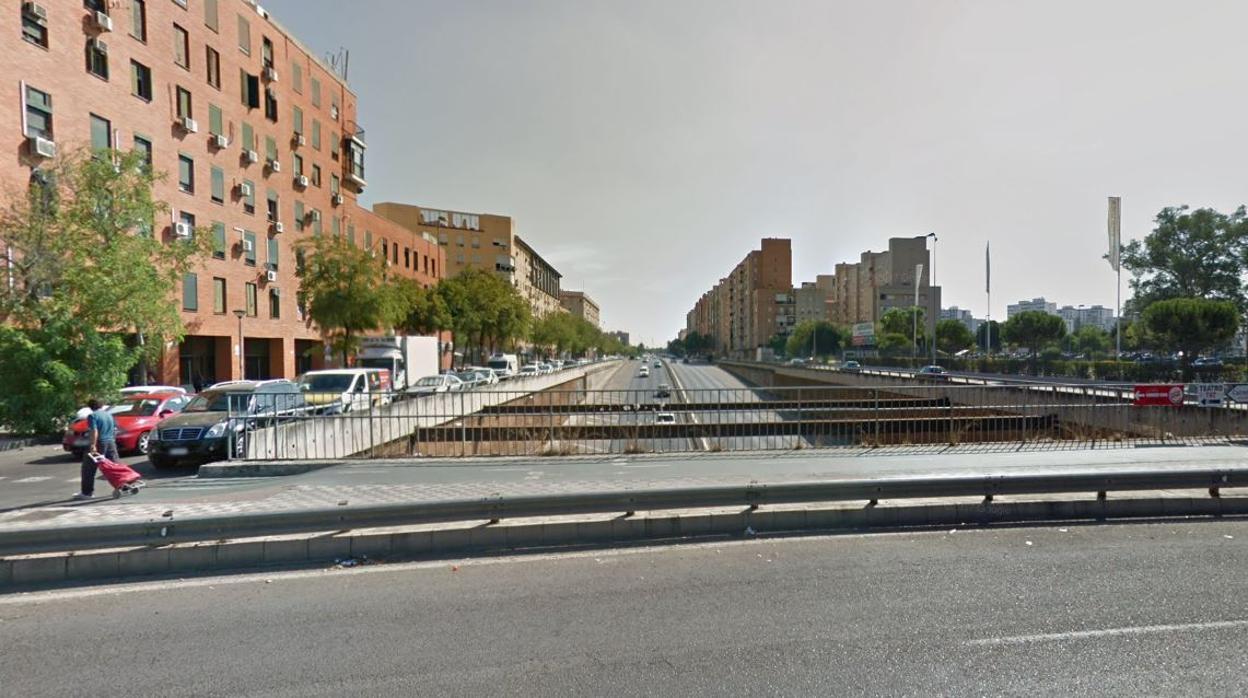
[(1159, 395)]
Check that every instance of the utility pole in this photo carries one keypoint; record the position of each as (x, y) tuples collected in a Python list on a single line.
[(931, 292)]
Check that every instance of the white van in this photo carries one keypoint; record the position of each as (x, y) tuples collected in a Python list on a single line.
[(504, 365), (339, 390)]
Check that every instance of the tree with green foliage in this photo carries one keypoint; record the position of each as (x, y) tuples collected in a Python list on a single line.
[(486, 312), (1190, 254), (902, 321), (1033, 330), (346, 292), (894, 344), (1191, 325), (89, 287), (952, 336), (1090, 340), (778, 343), (982, 335), (827, 341), (427, 313)]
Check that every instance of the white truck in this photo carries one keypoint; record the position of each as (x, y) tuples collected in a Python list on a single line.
[(407, 358), (506, 365)]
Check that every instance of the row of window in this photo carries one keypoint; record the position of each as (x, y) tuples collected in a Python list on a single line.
[(220, 300)]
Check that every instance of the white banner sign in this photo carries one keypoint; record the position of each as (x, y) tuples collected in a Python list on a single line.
[(1115, 231)]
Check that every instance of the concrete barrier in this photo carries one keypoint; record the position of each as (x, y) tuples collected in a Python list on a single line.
[(317, 437), (468, 538)]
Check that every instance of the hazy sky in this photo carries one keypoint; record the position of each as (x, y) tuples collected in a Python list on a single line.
[(645, 147)]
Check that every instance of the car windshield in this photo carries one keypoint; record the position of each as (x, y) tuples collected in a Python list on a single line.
[(213, 401), (327, 382), (136, 408), (376, 363), (496, 363)]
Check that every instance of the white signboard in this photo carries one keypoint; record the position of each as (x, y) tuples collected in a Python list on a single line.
[(1115, 231), (1209, 394)]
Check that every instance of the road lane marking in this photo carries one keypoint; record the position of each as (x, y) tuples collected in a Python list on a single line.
[(33, 478), (1106, 632)]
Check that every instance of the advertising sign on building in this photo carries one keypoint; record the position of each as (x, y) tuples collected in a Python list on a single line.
[(864, 334), (1159, 395)]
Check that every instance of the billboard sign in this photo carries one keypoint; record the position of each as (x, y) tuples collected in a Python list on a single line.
[(1159, 395), (864, 334), (1209, 394)]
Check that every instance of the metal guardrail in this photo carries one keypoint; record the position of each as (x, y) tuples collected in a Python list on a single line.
[(563, 421), (494, 509)]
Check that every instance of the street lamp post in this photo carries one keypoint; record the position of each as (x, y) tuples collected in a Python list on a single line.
[(931, 293), (242, 367)]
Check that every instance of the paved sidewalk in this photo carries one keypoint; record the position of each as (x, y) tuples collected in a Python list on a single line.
[(404, 481)]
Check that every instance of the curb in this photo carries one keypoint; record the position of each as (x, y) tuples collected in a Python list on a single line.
[(23, 572), (264, 468)]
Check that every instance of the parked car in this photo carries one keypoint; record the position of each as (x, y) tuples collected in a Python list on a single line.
[(529, 370), (1207, 363), (339, 390), (436, 384), (470, 379), (214, 423), (488, 375), (135, 415), (547, 368), (851, 366), (151, 390)]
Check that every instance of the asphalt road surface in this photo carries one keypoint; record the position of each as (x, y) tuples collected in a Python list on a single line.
[(1136, 609)]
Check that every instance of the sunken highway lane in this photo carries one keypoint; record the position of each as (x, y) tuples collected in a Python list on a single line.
[(1134, 609)]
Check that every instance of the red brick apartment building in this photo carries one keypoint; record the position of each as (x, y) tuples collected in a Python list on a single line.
[(258, 140)]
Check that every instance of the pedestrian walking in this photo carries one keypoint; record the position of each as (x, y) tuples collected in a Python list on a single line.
[(102, 434)]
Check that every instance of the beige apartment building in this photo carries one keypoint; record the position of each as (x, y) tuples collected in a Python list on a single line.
[(580, 305), (483, 241), (812, 300), (864, 291)]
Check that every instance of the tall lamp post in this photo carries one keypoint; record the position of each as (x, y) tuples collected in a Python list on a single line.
[(242, 367), (931, 293)]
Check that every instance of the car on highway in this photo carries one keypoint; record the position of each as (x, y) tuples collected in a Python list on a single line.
[(135, 415), (933, 371), (851, 366), (664, 418), (529, 370), (430, 385), (1207, 363), (664, 390), (215, 423), (658, 364), (643, 372)]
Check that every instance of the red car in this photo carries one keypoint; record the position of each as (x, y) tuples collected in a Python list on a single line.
[(135, 415)]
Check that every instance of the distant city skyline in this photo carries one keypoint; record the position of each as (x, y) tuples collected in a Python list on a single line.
[(644, 147)]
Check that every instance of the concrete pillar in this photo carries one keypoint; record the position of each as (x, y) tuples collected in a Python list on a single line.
[(282, 357)]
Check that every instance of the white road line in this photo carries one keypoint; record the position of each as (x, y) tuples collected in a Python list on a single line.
[(652, 465), (1106, 632), (33, 478)]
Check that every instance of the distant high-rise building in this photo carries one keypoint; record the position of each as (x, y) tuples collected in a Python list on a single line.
[(750, 305), (961, 315), (812, 300), (863, 291), (580, 305), (1034, 305)]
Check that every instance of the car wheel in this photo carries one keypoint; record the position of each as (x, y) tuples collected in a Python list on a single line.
[(141, 444)]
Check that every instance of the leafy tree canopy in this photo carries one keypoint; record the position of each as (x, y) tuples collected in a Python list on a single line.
[(1190, 254)]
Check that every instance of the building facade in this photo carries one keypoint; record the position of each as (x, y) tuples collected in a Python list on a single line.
[(1083, 316), (1037, 305), (750, 306), (622, 337), (580, 305), (813, 299), (879, 281), (470, 240), (537, 280), (962, 315), (258, 140)]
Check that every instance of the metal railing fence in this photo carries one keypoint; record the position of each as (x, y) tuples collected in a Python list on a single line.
[(496, 421)]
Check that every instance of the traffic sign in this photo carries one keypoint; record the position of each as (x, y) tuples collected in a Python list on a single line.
[(1237, 392), (1209, 394)]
